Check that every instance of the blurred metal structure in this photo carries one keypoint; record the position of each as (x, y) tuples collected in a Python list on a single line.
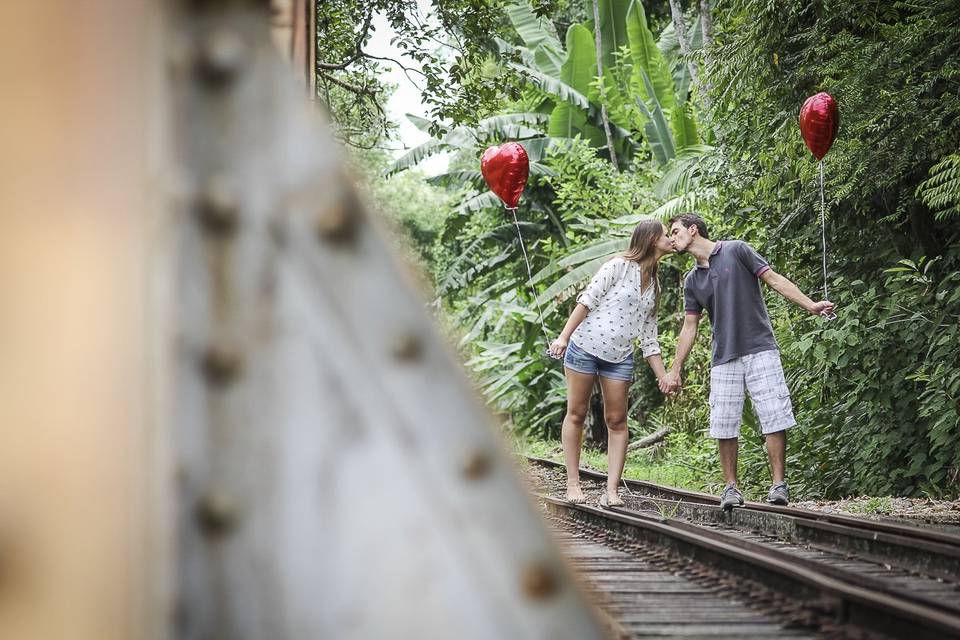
[(293, 28), (337, 476), (225, 412)]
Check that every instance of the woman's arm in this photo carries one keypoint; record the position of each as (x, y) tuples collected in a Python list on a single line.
[(576, 317), (656, 364)]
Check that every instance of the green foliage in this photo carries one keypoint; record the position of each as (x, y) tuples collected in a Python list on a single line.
[(941, 192), (578, 70), (449, 50), (876, 392)]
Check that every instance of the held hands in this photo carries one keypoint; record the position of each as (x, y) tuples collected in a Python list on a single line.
[(558, 347), (670, 384)]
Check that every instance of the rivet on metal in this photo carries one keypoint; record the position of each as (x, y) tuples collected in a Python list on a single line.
[(221, 363), (221, 55), (477, 465), (538, 581), (218, 205), (217, 513), (407, 346), (335, 224)]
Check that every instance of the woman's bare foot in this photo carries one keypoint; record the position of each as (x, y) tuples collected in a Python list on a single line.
[(575, 495), (614, 499)]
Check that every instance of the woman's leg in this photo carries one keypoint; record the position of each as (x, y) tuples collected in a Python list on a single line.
[(615, 414), (579, 386)]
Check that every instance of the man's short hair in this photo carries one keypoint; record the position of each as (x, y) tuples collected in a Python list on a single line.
[(691, 220)]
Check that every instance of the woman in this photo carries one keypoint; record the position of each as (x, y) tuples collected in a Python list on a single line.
[(618, 306)]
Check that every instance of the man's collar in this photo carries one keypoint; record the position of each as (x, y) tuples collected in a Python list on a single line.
[(716, 248)]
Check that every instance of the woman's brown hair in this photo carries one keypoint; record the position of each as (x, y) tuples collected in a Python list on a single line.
[(642, 249)]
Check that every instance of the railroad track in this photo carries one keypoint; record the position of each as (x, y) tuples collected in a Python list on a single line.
[(844, 573)]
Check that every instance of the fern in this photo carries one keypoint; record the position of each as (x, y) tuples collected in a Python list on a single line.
[(941, 191)]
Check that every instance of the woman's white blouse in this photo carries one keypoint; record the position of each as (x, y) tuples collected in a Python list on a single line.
[(619, 313)]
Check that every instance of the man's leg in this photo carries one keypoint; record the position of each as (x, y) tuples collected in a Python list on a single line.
[(771, 400), (726, 412), (728, 459), (777, 453)]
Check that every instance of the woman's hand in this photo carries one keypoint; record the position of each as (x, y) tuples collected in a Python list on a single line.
[(558, 347), (670, 383)]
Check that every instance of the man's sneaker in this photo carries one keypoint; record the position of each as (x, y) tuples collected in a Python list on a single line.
[(730, 498), (779, 494)]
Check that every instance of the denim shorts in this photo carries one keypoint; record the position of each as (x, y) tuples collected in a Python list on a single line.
[(576, 359)]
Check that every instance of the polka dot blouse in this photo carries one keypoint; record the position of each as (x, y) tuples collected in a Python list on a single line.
[(619, 313)]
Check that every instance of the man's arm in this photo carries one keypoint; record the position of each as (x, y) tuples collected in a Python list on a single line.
[(688, 334), (791, 292)]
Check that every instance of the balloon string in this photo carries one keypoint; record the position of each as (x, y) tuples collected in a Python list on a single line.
[(513, 210), (823, 230)]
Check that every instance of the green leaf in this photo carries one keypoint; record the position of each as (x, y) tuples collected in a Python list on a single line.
[(684, 127), (484, 200), (498, 123), (457, 177), (577, 72), (553, 86), (548, 59), (420, 123), (579, 275), (537, 147), (646, 58), (602, 249), (415, 156), (458, 139), (656, 128), (669, 47), (613, 28), (532, 29)]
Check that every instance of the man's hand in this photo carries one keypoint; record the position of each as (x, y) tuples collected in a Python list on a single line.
[(823, 308), (670, 383), (558, 347)]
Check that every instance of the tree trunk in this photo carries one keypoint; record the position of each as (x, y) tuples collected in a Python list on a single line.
[(706, 23), (676, 12), (706, 30), (603, 106)]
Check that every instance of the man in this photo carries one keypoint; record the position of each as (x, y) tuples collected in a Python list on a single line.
[(725, 282)]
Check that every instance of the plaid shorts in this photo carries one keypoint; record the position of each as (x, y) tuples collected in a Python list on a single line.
[(762, 376)]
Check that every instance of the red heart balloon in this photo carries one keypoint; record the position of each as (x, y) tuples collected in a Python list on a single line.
[(506, 168), (819, 121)]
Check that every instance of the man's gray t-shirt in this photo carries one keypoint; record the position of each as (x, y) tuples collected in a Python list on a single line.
[(729, 290)]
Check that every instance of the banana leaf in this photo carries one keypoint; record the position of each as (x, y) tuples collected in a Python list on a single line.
[(579, 275), (533, 30), (613, 28), (604, 248), (577, 72), (658, 132), (647, 59)]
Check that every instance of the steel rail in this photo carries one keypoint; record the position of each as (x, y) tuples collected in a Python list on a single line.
[(849, 602), (914, 534)]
